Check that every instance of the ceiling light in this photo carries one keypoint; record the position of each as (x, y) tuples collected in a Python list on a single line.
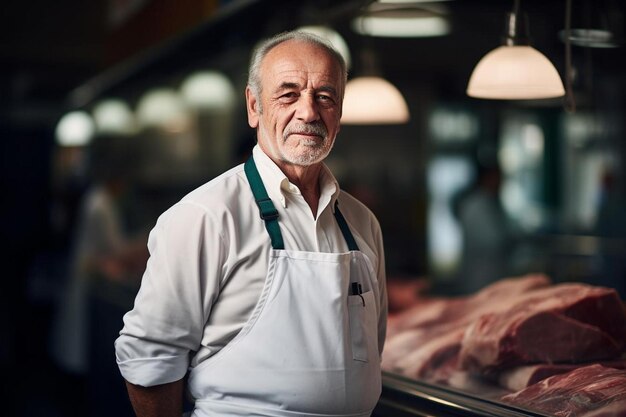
[(596, 25), (208, 90), (113, 116), (592, 38), (163, 108), (415, 27), (76, 128), (373, 100), (402, 20), (515, 70)]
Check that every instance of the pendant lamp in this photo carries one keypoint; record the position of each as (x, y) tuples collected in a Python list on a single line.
[(597, 25), (75, 128), (370, 99), (515, 70), (373, 100)]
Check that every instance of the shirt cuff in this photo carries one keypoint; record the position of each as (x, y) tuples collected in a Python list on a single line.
[(147, 372)]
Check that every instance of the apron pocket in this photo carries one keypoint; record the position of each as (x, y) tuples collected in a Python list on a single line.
[(362, 325)]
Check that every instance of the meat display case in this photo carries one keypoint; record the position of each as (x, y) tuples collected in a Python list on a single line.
[(522, 346), (404, 397)]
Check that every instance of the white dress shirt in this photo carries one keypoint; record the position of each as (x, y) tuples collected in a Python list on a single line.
[(208, 263)]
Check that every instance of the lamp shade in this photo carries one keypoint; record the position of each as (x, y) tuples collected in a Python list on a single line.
[(113, 116), (162, 108), (402, 27), (373, 100), (208, 90), (513, 73), (75, 128)]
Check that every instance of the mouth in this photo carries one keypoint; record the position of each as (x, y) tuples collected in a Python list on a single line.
[(315, 133), (306, 134), (308, 139)]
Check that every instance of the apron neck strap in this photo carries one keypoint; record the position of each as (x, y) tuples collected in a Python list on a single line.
[(345, 230), (269, 214)]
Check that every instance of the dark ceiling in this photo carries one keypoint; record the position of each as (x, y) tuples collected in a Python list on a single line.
[(52, 50)]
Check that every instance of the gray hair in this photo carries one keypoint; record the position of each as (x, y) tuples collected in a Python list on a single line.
[(261, 51)]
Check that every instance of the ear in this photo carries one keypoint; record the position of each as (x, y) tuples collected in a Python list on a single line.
[(252, 106)]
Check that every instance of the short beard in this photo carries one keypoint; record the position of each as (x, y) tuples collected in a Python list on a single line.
[(316, 128), (315, 153)]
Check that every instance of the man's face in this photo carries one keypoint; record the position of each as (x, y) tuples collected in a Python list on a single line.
[(297, 118)]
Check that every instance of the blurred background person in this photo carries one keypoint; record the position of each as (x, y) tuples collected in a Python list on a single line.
[(610, 227), (487, 235), (103, 251)]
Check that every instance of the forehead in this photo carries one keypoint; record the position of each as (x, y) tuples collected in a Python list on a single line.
[(300, 60)]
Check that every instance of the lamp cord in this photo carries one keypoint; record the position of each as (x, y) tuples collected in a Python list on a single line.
[(570, 102)]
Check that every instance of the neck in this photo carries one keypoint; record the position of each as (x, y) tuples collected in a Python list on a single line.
[(306, 178)]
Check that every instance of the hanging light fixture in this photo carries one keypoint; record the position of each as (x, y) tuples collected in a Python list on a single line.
[(369, 99), (75, 128), (515, 70), (208, 90), (114, 116), (403, 19), (373, 100), (163, 108), (597, 25)]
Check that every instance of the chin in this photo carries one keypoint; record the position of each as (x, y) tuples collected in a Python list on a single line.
[(310, 155), (308, 159)]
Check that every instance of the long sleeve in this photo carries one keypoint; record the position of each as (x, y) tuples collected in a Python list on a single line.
[(178, 288)]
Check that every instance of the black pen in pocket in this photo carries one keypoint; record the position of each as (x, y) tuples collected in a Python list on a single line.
[(356, 289)]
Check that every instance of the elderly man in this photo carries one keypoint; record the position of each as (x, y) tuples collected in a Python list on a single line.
[(265, 289)]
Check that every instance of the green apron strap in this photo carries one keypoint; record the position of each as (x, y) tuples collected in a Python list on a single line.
[(345, 230), (269, 214)]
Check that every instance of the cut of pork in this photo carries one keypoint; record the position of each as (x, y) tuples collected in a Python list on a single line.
[(424, 341), (581, 392), (516, 379), (562, 323)]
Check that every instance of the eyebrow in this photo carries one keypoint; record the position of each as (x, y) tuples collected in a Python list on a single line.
[(328, 89), (291, 85), (287, 86)]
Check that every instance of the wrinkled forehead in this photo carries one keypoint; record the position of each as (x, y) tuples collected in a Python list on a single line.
[(301, 60)]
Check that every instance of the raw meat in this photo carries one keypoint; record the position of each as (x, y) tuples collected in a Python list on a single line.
[(516, 379), (512, 323), (588, 391), (437, 311), (424, 341), (435, 358), (562, 323)]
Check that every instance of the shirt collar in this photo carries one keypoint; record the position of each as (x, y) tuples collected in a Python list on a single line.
[(277, 184)]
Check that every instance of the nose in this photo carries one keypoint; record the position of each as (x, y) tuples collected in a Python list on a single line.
[(307, 110)]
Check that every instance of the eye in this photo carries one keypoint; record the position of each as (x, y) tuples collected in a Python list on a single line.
[(289, 97), (325, 99)]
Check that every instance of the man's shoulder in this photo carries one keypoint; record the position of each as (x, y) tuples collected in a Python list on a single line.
[(352, 208), (219, 190), (216, 197)]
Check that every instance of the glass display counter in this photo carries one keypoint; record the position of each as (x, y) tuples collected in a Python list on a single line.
[(406, 397), (520, 346)]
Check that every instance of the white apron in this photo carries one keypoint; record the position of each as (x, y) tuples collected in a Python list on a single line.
[(310, 347)]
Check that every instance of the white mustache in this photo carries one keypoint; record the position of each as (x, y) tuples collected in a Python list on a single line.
[(317, 129)]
